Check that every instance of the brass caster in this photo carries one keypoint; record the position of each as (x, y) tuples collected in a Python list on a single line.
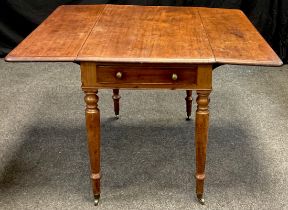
[(201, 199), (188, 118), (117, 116), (96, 200)]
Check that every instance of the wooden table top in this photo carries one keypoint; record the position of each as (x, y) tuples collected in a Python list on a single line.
[(122, 33)]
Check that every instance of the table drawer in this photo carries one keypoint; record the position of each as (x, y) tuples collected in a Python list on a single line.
[(146, 75)]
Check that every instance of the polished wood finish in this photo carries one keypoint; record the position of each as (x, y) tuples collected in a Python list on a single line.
[(234, 39), (201, 138), (145, 75), (189, 100), (107, 33), (148, 34), (116, 97), (120, 46), (204, 77), (195, 77), (60, 36), (201, 75), (93, 136)]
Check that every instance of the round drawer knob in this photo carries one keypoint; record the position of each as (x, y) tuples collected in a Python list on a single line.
[(119, 75), (174, 77)]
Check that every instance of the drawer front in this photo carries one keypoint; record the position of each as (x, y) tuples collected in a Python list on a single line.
[(146, 75)]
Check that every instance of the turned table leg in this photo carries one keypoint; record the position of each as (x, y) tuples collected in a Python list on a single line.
[(93, 134), (201, 138), (116, 97), (189, 100)]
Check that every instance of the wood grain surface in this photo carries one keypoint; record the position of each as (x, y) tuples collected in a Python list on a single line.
[(146, 75), (60, 36), (125, 33), (148, 34), (234, 39)]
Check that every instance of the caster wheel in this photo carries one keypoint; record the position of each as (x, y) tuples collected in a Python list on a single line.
[(201, 199), (96, 200)]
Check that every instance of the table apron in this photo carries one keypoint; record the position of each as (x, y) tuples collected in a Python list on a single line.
[(145, 76)]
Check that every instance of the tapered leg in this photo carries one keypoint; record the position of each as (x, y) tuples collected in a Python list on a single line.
[(116, 97), (201, 138), (93, 134), (189, 100)]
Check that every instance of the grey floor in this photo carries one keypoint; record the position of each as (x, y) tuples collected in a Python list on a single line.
[(148, 154)]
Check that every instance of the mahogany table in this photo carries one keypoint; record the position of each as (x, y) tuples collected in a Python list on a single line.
[(146, 47)]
